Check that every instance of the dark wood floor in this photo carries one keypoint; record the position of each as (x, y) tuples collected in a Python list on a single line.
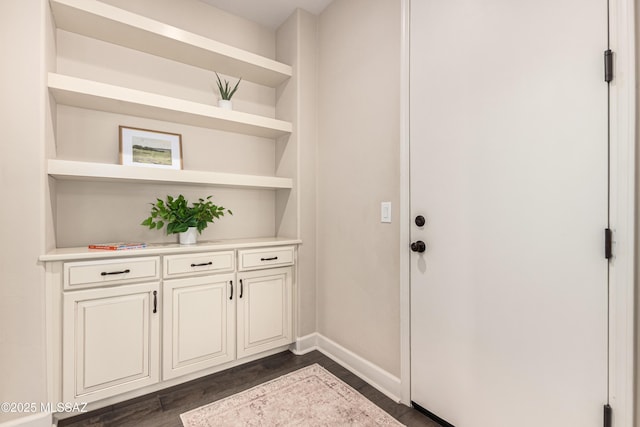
[(163, 408)]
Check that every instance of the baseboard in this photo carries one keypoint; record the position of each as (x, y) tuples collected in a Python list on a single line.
[(305, 344), (40, 419), (377, 377)]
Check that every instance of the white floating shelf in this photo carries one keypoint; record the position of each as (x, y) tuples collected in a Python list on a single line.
[(88, 171), (93, 95), (114, 25)]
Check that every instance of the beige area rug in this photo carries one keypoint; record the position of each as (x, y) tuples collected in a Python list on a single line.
[(307, 397)]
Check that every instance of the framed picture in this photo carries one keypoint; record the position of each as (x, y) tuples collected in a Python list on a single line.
[(150, 148)]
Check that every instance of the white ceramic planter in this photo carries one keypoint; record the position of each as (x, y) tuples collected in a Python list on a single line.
[(225, 104), (189, 237)]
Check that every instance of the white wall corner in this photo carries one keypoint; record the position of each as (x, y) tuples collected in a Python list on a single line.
[(374, 375)]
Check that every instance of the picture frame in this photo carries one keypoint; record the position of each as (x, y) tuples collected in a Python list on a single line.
[(150, 148)]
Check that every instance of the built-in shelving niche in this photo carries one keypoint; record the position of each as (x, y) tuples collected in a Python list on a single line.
[(104, 22)]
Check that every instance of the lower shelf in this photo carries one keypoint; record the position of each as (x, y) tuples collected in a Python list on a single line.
[(88, 171)]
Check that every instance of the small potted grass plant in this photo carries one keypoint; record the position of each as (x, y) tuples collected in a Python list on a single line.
[(182, 219), (226, 92)]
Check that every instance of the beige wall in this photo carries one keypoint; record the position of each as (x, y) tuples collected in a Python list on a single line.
[(23, 210), (296, 45), (358, 167)]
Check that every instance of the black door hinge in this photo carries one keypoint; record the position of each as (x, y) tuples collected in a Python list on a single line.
[(607, 415), (608, 242), (608, 65)]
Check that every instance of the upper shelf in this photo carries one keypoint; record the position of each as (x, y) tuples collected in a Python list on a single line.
[(93, 95), (89, 171), (104, 22)]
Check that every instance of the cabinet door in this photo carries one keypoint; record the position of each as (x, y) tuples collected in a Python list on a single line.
[(264, 310), (110, 341), (198, 324)]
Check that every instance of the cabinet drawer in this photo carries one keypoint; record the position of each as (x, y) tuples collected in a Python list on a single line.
[(191, 264), (252, 259), (84, 274)]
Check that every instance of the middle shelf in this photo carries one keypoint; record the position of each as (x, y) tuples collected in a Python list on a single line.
[(89, 171), (77, 92)]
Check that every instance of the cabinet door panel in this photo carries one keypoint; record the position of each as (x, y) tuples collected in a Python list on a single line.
[(198, 324), (264, 310), (110, 341), (266, 314)]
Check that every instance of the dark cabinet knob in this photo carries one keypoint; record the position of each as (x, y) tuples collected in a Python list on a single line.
[(418, 246), (420, 221)]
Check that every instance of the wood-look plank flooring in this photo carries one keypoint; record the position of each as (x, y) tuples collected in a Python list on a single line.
[(163, 408)]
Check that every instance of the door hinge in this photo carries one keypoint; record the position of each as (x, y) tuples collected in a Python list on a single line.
[(608, 65), (608, 243), (607, 415)]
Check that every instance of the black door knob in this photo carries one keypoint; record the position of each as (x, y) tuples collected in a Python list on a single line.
[(418, 246), (420, 221)]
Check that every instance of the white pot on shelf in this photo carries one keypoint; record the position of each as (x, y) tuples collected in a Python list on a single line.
[(189, 237), (225, 104)]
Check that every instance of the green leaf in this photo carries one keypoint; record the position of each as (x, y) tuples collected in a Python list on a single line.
[(224, 89), (235, 88)]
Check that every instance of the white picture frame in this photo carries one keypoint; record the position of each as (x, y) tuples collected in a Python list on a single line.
[(150, 148)]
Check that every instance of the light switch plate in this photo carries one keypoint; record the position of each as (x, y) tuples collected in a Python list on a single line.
[(385, 212)]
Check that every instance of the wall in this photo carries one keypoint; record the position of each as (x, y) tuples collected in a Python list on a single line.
[(358, 167), (23, 212), (296, 44)]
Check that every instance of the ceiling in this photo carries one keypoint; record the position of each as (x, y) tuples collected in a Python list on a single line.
[(270, 13)]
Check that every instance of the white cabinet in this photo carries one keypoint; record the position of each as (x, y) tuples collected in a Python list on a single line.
[(264, 310), (110, 341), (198, 324), (162, 316)]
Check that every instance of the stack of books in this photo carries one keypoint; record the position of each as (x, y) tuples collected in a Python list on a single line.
[(118, 246)]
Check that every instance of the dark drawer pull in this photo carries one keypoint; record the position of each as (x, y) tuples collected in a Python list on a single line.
[(203, 264), (269, 259), (231, 294), (241, 289), (155, 301), (109, 273)]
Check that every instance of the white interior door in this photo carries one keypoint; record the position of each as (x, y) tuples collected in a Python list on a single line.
[(508, 130)]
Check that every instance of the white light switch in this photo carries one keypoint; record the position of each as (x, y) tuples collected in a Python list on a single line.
[(385, 212)]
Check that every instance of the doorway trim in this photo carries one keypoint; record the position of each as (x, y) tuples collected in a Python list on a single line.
[(622, 207), (622, 213), (405, 210)]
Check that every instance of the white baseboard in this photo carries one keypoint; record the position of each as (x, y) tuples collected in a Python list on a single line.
[(377, 377), (41, 419), (305, 344)]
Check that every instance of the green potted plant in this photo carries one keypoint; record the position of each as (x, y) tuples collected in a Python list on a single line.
[(182, 219), (226, 92)]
